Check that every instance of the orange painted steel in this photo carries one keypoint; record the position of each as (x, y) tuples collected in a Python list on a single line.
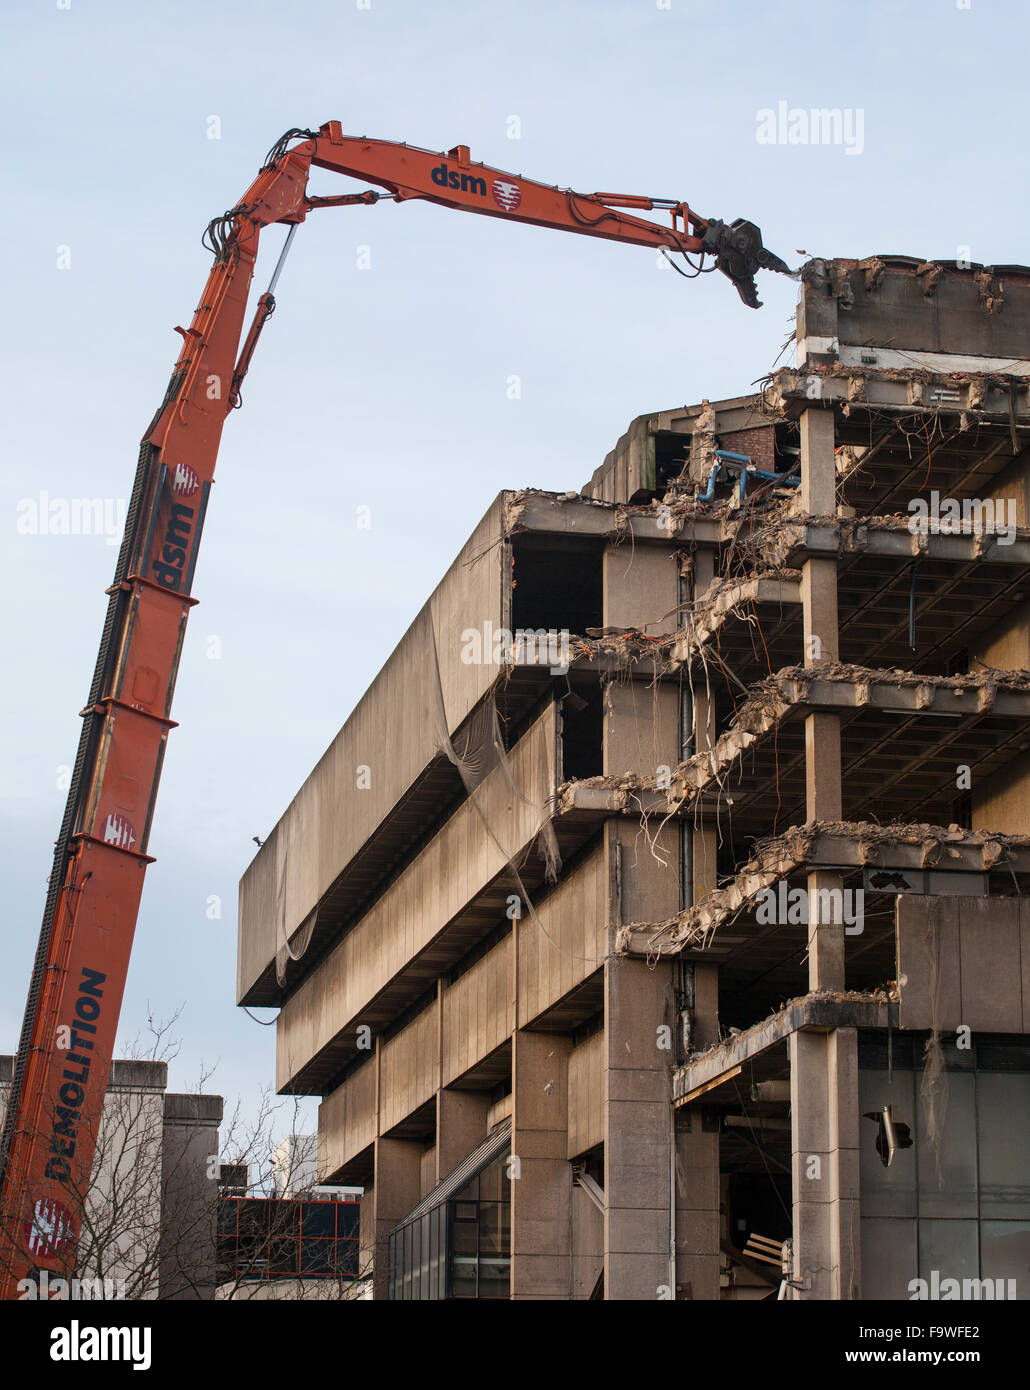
[(71, 1018)]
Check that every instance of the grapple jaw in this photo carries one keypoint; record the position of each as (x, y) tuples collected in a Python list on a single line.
[(739, 254)]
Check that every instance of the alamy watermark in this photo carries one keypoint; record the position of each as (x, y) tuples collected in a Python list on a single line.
[(47, 1288), (490, 646), (946, 1290), (947, 516), (821, 125), (782, 906), (72, 516)]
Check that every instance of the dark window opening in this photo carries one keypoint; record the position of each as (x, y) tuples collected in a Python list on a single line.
[(581, 710), (671, 452), (759, 1203), (557, 586)]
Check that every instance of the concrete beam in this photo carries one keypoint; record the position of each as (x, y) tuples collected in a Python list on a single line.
[(796, 537), (727, 600), (983, 398), (850, 1009), (551, 513), (844, 846), (817, 695)]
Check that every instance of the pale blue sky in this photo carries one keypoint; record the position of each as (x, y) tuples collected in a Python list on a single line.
[(387, 387)]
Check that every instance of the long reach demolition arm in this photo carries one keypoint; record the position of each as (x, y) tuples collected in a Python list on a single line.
[(64, 1055)]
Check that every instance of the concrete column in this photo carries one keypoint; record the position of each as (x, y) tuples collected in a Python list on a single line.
[(541, 1184), (703, 836), (367, 1232), (704, 846), (819, 573), (641, 587), (641, 727), (824, 1162), (640, 1052), (640, 1028), (460, 1127), (824, 802), (395, 1191), (822, 731), (697, 1204)]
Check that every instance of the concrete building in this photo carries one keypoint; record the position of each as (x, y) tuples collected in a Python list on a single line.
[(678, 950), (149, 1228)]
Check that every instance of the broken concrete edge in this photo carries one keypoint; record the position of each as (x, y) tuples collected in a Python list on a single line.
[(666, 652), (612, 519), (783, 538), (820, 1009), (833, 276), (973, 396), (830, 844), (765, 544), (792, 379), (770, 579), (794, 689)]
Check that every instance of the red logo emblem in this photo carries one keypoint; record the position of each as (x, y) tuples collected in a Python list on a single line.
[(507, 195), (184, 481), (50, 1227), (118, 831)]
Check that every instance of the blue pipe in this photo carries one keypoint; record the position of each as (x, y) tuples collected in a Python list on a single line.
[(709, 492)]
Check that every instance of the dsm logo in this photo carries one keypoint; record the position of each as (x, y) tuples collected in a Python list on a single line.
[(465, 183)]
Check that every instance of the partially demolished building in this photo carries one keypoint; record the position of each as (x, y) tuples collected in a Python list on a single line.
[(655, 926)]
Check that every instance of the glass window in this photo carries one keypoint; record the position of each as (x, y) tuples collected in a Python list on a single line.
[(318, 1218), (348, 1258), (316, 1257), (973, 1218), (436, 1260), (889, 1257), (1003, 1126), (284, 1256), (459, 1248), (946, 1170), (950, 1248), (886, 1191), (268, 1238), (1005, 1254)]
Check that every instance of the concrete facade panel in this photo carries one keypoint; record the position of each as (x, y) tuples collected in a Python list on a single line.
[(456, 864), (331, 818), (347, 1118)]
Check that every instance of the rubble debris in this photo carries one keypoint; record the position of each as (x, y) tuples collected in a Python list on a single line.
[(771, 700), (873, 268), (672, 514), (701, 458), (964, 392), (779, 536), (778, 856), (929, 273), (831, 276), (992, 296)]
